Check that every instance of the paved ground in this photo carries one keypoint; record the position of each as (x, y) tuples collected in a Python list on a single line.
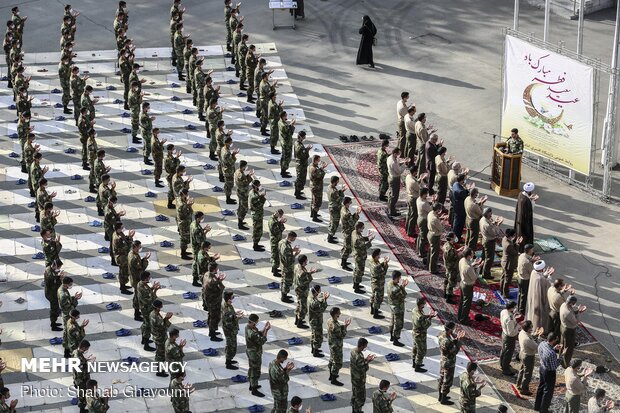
[(446, 53)]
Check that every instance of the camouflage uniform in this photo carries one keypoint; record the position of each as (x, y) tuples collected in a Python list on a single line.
[(157, 150), (202, 261), (449, 348), (227, 13), (275, 236), (316, 307), (451, 262), (381, 402), (81, 378), (230, 325), (242, 183), (301, 155), (104, 193), (228, 168), (83, 127), (191, 73), (334, 197), (242, 51), (179, 396), (302, 281), (421, 323), (159, 330), (187, 54), (178, 184), (360, 252), (199, 86), (184, 220), (378, 270), (97, 404), (100, 170), (29, 152), (179, 45), (174, 352), (383, 171), (278, 382), (23, 127), (86, 101), (137, 265), (197, 237), (213, 117), (316, 186), (146, 296), (235, 51), (213, 290), (77, 89), (359, 367), (48, 222), (250, 62), (36, 173), (220, 136), (275, 124), (254, 340), (64, 73), (135, 103), (146, 126), (51, 249), (336, 333), (469, 392), (348, 221), (171, 164), (66, 303), (110, 219), (396, 299), (92, 149), (121, 245), (287, 260), (52, 284), (256, 207), (75, 335), (265, 90), (42, 198)]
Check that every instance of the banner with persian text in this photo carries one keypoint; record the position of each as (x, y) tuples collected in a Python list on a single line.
[(549, 98)]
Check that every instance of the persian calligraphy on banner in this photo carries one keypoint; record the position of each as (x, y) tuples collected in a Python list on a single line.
[(549, 98)]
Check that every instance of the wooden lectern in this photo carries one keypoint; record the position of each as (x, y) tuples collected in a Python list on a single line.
[(506, 174)]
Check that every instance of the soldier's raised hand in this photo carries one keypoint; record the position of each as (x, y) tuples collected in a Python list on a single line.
[(370, 357), (78, 295), (289, 366), (325, 295), (347, 322), (460, 334), (182, 343), (405, 282), (216, 257), (147, 255), (168, 315), (132, 232), (156, 285)]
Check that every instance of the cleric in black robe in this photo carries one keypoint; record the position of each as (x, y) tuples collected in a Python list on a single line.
[(368, 32), (524, 217)]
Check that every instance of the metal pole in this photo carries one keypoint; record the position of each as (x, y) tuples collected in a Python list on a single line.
[(610, 118), (582, 7), (515, 25), (546, 27)]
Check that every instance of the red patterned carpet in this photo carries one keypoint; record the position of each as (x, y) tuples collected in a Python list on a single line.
[(356, 163)]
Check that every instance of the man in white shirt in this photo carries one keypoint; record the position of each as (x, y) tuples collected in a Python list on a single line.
[(422, 135), (409, 147), (402, 107), (529, 349), (575, 385), (510, 331), (396, 167), (569, 322), (597, 403)]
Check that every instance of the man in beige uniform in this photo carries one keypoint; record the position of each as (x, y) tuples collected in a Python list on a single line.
[(556, 295), (489, 227), (529, 349), (412, 185), (424, 207), (569, 322), (469, 275), (473, 209), (435, 229), (525, 266)]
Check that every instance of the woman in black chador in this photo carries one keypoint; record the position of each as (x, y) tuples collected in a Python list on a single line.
[(368, 32)]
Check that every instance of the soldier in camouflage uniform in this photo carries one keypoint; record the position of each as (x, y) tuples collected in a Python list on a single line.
[(64, 73), (254, 340), (53, 276), (199, 85), (237, 36), (137, 265), (180, 393), (178, 183), (287, 255), (359, 367), (274, 112), (220, 137), (204, 260), (227, 13), (187, 54), (159, 328), (95, 402), (84, 126), (100, 169), (381, 400), (104, 192), (382, 156), (171, 164), (470, 388), (266, 89), (242, 52), (421, 322), (43, 197), (449, 346), (278, 381), (75, 331), (361, 244), (174, 351), (146, 296), (257, 201), (396, 295), (81, 378), (258, 78), (36, 173), (243, 178), (125, 64), (214, 116), (179, 44), (87, 102), (92, 149), (198, 235), (51, 247), (157, 150), (134, 101), (175, 18), (451, 262), (336, 333), (378, 267), (23, 129), (285, 131), (48, 220), (348, 221), (121, 245), (77, 83), (212, 291), (230, 325), (276, 228), (184, 220), (317, 173), (335, 196), (251, 61), (301, 283), (111, 217), (233, 22), (67, 303), (30, 149), (146, 126), (317, 304), (229, 158), (302, 155), (191, 72)]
